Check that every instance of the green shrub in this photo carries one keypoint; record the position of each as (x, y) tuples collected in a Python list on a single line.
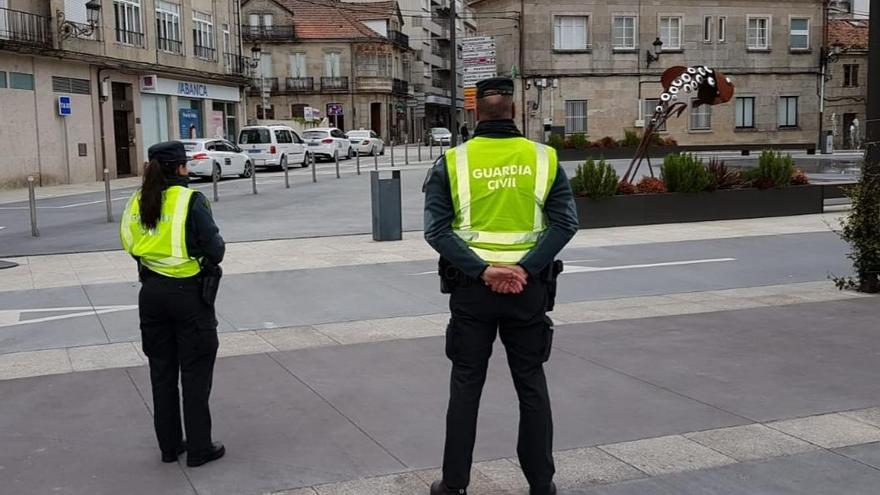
[(578, 141), (594, 180), (722, 177), (684, 173), (630, 138), (556, 141), (774, 170)]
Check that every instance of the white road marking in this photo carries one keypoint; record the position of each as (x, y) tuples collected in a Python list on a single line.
[(62, 207), (569, 269), (12, 317)]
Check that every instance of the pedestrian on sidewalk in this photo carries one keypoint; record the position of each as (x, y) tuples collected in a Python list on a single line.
[(498, 209), (170, 231), (465, 134)]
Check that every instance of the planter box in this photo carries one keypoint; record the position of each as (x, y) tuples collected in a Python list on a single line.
[(662, 151), (648, 209)]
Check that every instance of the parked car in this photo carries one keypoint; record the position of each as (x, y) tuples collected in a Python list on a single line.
[(366, 142), (438, 136), (208, 157), (273, 146), (323, 142)]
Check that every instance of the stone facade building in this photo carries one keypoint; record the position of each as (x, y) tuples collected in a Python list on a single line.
[(130, 72), (585, 65), (351, 62), (846, 87)]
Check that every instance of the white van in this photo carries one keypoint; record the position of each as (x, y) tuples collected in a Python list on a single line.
[(273, 146)]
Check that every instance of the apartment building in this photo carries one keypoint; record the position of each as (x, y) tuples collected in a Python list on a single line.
[(91, 84), (351, 62), (594, 67), (846, 87)]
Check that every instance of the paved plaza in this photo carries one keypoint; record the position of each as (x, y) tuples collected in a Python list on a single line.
[(705, 358)]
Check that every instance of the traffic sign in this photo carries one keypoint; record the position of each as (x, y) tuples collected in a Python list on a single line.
[(334, 109), (65, 109)]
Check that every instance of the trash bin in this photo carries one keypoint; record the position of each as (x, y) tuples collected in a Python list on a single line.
[(387, 216), (828, 144)]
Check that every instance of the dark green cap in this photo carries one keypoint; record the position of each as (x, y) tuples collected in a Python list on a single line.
[(495, 86), (167, 152)]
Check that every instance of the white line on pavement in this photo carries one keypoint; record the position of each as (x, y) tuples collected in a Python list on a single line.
[(569, 269), (12, 317), (62, 207)]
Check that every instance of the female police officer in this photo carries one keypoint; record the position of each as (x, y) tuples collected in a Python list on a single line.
[(169, 230)]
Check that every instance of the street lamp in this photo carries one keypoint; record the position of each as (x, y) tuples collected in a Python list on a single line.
[(256, 54), (66, 28), (827, 55), (654, 55)]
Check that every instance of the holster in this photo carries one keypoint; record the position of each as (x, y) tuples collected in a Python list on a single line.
[(550, 275), (211, 275), (449, 276)]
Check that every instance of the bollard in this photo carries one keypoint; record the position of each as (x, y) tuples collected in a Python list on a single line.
[(441, 147), (286, 175), (214, 179), (386, 207), (431, 149), (406, 151), (254, 180), (107, 195), (358, 161), (32, 200), (312, 161), (392, 152), (336, 157), (376, 161), (420, 149)]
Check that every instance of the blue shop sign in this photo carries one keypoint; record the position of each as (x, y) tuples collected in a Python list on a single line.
[(192, 89)]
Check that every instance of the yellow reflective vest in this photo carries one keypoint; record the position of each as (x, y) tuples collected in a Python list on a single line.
[(498, 188), (163, 249)]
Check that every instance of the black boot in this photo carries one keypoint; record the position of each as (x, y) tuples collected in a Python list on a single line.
[(214, 452), (550, 490), (439, 488), (172, 456)]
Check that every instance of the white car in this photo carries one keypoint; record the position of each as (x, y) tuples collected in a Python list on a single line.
[(439, 136), (273, 146), (208, 157), (366, 142), (323, 142)]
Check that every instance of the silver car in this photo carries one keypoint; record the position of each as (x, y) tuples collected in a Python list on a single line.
[(439, 136)]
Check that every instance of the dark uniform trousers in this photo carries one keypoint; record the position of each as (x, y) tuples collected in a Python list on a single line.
[(179, 334), (527, 334)]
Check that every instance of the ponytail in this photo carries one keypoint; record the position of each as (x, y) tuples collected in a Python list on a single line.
[(155, 182)]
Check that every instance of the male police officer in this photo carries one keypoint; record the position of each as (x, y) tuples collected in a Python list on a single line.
[(498, 209)]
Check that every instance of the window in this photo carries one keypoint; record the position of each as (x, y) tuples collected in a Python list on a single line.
[(168, 27), (298, 110), (648, 107), (701, 118), (799, 37), (127, 14), (254, 19), (707, 29), (722, 29), (71, 85), (576, 116), (788, 108), (758, 35), (624, 32), (18, 80), (266, 113), (2, 79), (570, 33), (283, 137), (227, 39), (374, 65), (670, 33), (267, 20), (203, 35), (745, 112), (332, 63), (266, 64), (298, 65), (850, 75)]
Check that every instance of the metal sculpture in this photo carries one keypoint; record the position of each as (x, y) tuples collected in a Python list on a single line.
[(711, 87)]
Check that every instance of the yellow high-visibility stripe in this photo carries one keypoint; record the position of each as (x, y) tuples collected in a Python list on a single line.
[(503, 238), (507, 257), (541, 176), (178, 222), (464, 185), (125, 228)]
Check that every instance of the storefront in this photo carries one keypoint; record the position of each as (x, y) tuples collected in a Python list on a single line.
[(175, 109)]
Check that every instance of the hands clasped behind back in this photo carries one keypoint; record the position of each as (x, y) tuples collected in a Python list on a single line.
[(505, 279)]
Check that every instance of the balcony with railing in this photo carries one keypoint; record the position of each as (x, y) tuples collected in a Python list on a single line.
[(235, 64), (133, 38), (268, 33), (204, 52), (269, 83), (169, 45), (398, 38), (400, 87), (300, 84), (334, 84), (374, 84), (24, 28)]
